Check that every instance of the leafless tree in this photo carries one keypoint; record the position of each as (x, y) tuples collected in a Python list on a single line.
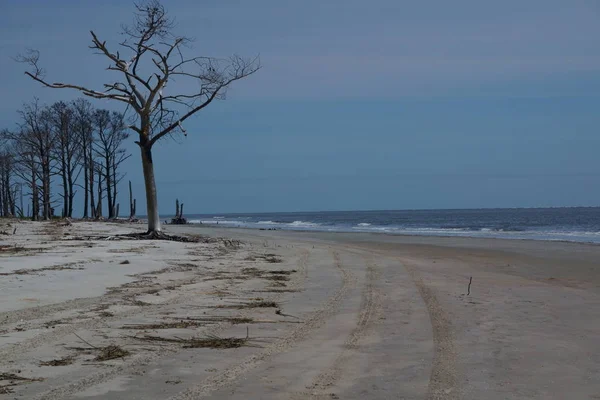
[(151, 56), (110, 134), (67, 152), (8, 187), (82, 119), (35, 142), (26, 165), (99, 171), (118, 155)]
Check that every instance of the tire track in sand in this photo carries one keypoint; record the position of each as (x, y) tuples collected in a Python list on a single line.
[(369, 312), (316, 320), (443, 382)]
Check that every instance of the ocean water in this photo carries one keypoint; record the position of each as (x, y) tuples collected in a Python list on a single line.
[(566, 224)]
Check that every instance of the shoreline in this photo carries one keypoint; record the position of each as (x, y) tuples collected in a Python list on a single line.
[(341, 315), (466, 236)]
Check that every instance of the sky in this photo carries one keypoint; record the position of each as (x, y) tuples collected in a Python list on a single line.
[(359, 105)]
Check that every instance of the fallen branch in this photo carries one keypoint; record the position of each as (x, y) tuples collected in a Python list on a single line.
[(85, 341), (469, 287), (279, 312)]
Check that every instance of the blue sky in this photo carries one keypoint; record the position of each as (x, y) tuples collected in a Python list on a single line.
[(384, 104)]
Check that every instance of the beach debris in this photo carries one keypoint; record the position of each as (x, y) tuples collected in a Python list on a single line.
[(469, 287), (111, 352), (277, 290), (12, 380), (5, 389), (54, 322), (105, 314), (178, 219), (124, 262), (283, 272), (277, 275), (252, 304), (35, 271), (165, 325), (58, 362), (8, 249), (215, 319), (106, 353), (279, 312), (269, 257), (252, 271), (277, 278), (209, 341), (8, 376)]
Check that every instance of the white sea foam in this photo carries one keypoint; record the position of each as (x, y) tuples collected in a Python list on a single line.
[(303, 224), (215, 222), (493, 231)]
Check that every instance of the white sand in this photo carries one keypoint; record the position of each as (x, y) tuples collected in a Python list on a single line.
[(362, 317)]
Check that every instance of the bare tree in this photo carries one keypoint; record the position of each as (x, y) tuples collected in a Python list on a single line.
[(35, 144), (8, 187), (99, 170), (110, 135), (26, 165), (118, 155), (152, 56), (82, 119), (67, 152)]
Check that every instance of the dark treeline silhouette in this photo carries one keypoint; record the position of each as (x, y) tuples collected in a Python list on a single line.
[(57, 151)]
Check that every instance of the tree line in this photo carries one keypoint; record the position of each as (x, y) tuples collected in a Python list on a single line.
[(149, 56), (58, 151)]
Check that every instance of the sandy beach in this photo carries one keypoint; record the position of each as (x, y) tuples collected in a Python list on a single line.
[(250, 314)]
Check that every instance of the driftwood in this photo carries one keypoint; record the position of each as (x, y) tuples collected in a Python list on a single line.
[(469, 287), (178, 219)]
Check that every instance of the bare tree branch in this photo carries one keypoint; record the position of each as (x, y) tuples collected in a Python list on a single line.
[(149, 58)]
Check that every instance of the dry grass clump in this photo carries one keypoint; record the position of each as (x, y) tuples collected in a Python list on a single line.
[(164, 325), (111, 352), (269, 257), (58, 362), (252, 304), (210, 341)]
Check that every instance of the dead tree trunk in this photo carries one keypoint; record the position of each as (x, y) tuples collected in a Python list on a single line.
[(99, 205), (178, 219), (35, 198), (131, 203), (151, 198), (108, 178), (86, 184), (91, 185)]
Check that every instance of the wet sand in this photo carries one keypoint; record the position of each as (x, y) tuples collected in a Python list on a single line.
[(355, 316)]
